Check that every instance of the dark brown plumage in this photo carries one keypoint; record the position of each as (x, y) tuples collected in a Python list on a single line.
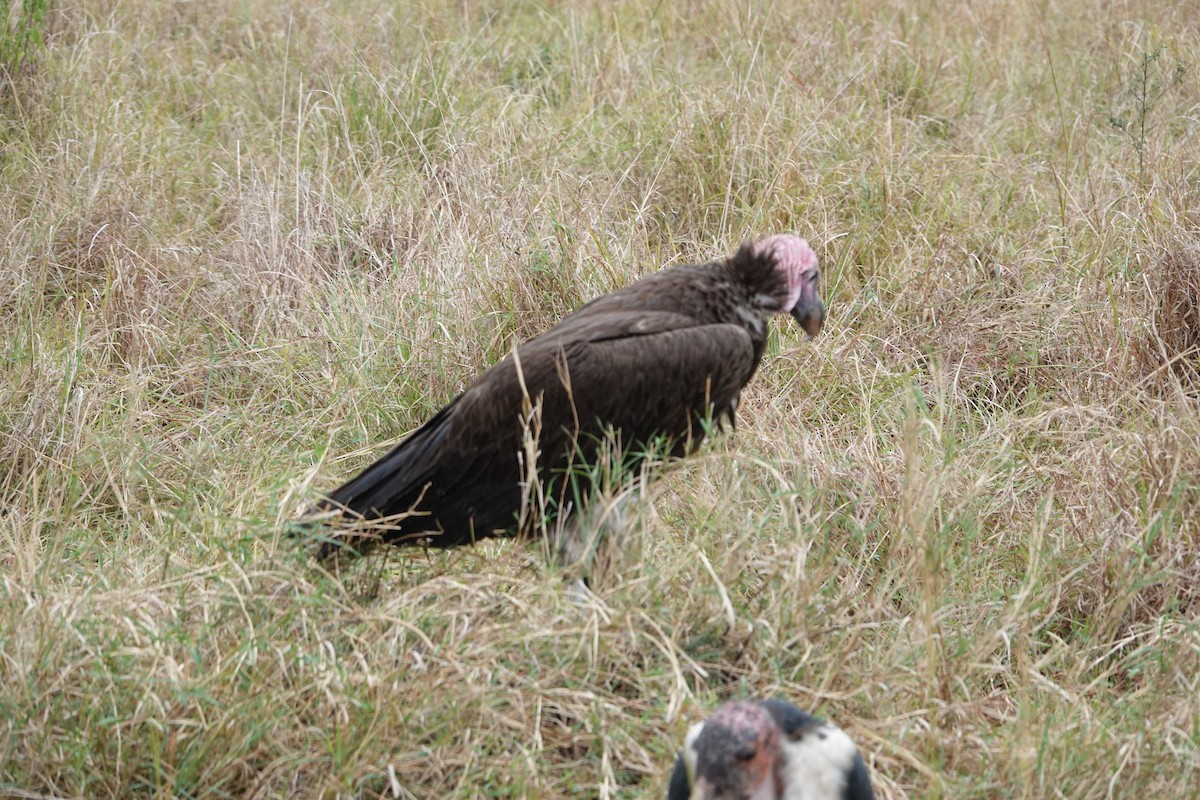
[(650, 361)]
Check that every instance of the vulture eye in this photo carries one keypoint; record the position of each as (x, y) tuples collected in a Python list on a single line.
[(746, 753)]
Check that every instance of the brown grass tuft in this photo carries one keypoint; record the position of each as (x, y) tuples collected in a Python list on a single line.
[(1177, 323)]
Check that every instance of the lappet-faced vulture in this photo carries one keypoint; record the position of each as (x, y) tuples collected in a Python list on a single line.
[(768, 750), (649, 365)]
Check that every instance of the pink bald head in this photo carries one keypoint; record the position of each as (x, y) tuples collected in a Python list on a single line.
[(798, 263), (743, 718), (738, 754)]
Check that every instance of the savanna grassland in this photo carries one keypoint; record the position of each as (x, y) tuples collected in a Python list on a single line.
[(247, 245)]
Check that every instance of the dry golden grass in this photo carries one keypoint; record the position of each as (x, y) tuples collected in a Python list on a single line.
[(248, 245)]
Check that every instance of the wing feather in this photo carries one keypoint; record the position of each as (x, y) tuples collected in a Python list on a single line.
[(645, 374)]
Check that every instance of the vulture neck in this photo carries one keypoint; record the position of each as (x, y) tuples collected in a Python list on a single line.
[(761, 289), (764, 287)]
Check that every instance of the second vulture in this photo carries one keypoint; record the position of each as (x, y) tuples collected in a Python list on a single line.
[(768, 750), (649, 365)]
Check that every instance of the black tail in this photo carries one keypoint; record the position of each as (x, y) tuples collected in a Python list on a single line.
[(391, 486)]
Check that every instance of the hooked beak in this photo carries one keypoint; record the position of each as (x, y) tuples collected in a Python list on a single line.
[(810, 313), (704, 790)]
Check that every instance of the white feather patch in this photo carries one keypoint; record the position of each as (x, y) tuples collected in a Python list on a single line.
[(689, 752), (818, 766)]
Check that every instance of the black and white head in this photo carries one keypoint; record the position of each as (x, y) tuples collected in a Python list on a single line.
[(768, 750)]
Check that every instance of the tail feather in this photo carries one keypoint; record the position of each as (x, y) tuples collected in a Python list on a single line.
[(402, 472), (390, 486)]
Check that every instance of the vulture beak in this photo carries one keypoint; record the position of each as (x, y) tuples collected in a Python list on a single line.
[(706, 791), (809, 311)]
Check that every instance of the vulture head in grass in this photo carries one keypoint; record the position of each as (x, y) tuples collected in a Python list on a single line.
[(768, 750)]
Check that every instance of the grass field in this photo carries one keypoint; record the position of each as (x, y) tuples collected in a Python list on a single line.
[(247, 245)]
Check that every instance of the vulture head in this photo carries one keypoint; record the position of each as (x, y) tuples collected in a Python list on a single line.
[(796, 263), (768, 750)]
